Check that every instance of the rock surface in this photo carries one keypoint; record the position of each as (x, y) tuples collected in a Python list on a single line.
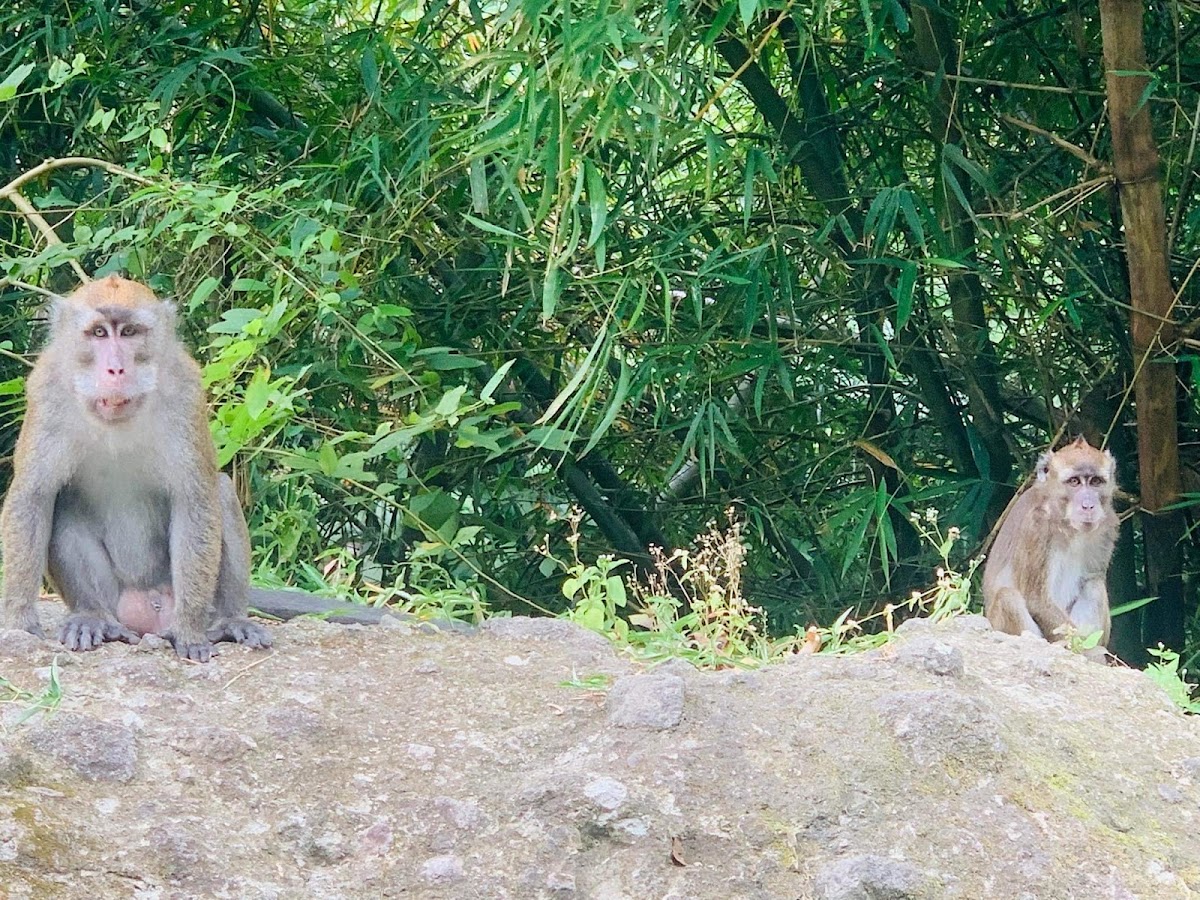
[(388, 762)]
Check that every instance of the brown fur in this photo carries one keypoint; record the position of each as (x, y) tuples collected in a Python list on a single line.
[(112, 290), (1046, 571), (115, 487)]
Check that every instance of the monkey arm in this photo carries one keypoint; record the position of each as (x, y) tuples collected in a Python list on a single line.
[(42, 464), (25, 524), (1053, 621), (195, 549)]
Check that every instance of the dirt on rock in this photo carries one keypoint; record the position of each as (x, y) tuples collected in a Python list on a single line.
[(531, 760)]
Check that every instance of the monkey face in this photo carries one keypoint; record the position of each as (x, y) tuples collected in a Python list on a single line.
[(1085, 508), (116, 341), (1081, 478)]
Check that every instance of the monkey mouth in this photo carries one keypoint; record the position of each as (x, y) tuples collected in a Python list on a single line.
[(114, 408)]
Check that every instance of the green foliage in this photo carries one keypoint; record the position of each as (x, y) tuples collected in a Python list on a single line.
[(1167, 674), (45, 701), (948, 596), (1081, 643), (719, 628), (588, 683), (452, 269), (597, 596)]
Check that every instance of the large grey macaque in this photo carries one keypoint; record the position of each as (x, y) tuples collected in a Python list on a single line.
[(115, 490), (1045, 574)]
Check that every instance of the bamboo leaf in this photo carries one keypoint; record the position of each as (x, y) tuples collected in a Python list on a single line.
[(620, 392), (494, 381), (874, 450), (904, 292), (597, 201), (9, 86)]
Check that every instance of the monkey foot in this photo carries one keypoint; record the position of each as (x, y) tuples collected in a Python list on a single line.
[(241, 631), (196, 651), (86, 631)]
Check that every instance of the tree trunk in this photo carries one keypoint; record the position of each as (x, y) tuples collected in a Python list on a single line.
[(936, 46), (1136, 164)]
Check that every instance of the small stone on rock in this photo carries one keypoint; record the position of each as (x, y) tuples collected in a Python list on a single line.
[(421, 752), (387, 620), (935, 726), (1170, 793), (214, 742), (607, 793), (442, 869), (561, 882), (646, 701), (376, 840), (915, 625), (462, 814), (869, 877), (540, 629), (17, 644), (676, 666), (328, 848), (151, 643), (931, 656)]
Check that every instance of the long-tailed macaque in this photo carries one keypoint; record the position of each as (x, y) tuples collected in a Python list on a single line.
[(1045, 573), (115, 490)]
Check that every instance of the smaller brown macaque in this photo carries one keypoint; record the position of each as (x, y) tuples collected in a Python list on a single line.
[(1045, 574)]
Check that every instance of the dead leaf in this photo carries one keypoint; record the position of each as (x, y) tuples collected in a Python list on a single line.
[(877, 452), (677, 850), (812, 640)]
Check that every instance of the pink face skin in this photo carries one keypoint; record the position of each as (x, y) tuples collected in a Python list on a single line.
[(1086, 509), (115, 374), (147, 612), (1080, 479)]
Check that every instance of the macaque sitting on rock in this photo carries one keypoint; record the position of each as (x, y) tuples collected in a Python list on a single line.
[(115, 491), (1046, 571)]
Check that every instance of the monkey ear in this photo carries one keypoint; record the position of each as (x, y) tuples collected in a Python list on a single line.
[(1110, 462), (55, 310), (1080, 441), (168, 310), (1043, 465)]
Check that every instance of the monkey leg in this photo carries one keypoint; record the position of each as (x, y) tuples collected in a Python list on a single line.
[(1089, 611), (1008, 612), (82, 571), (233, 580)]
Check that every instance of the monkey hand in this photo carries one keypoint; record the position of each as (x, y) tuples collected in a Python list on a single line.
[(87, 631), (241, 631)]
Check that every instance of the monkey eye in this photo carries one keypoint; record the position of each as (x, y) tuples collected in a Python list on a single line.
[(99, 331), (1074, 481), (129, 330), (1096, 481)]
